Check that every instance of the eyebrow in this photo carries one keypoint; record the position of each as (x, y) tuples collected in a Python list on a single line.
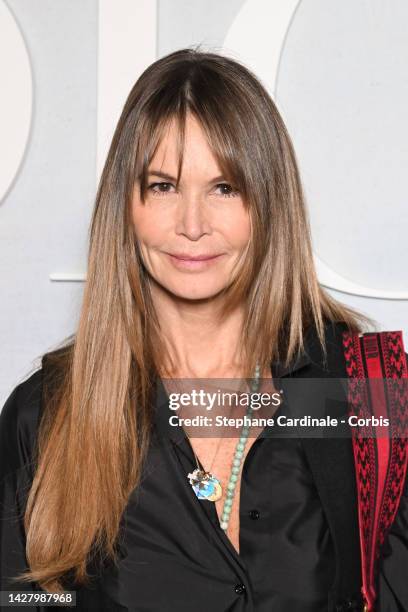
[(172, 178)]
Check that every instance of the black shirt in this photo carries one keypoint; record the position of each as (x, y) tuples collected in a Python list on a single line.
[(173, 554)]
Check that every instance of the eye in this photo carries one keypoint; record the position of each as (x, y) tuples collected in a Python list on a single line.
[(160, 189), (163, 188), (227, 190)]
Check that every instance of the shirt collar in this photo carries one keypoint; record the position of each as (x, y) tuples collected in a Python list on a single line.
[(279, 370)]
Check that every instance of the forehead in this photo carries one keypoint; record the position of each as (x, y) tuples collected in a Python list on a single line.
[(195, 148), (191, 147)]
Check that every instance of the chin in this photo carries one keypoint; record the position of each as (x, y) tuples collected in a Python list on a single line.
[(192, 293)]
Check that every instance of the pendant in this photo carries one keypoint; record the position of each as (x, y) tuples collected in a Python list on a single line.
[(205, 485)]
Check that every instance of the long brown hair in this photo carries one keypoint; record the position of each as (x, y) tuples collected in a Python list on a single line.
[(97, 403)]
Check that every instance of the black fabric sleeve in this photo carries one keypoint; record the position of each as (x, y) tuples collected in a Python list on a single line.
[(19, 420), (393, 583)]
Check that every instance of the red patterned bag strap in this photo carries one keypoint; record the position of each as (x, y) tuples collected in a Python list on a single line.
[(377, 387)]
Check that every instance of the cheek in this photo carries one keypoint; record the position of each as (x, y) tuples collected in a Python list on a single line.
[(148, 227), (238, 229)]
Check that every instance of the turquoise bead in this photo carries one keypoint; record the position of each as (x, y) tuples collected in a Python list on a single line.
[(237, 459)]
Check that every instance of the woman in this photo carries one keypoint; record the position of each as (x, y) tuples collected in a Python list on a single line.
[(200, 266)]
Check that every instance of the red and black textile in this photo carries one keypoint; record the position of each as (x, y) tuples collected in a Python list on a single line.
[(377, 387)]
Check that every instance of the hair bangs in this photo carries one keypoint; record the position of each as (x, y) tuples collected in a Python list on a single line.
[(222, 137)]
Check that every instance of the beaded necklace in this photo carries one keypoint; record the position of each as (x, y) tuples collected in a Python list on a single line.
[(207, 486)]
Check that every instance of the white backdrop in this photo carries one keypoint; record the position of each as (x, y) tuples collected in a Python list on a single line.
[(336, 70)]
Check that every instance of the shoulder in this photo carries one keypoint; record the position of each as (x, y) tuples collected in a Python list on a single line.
[(19, 420), (335, 363)]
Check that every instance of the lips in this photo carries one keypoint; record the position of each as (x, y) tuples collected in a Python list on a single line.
[(194, 263), (187, 257)]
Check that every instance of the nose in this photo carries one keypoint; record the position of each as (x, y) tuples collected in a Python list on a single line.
[(192, 217)]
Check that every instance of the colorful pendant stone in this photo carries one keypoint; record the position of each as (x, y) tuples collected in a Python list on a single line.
[(205, 485)]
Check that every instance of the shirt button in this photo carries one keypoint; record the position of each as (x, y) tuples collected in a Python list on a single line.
[(254, 514), (240, 588)]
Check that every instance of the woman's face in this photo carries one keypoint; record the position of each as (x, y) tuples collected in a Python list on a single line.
[(189, 239)]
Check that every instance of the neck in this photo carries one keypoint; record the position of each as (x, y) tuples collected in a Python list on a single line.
[(198, 344)]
